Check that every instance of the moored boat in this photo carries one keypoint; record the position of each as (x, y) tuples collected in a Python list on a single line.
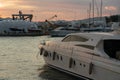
[(92, 56), (19, 25), (63, 31), (19, 28)]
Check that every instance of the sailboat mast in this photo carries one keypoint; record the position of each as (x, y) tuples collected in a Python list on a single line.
[(89, 13), (93, 11), (101, 9)]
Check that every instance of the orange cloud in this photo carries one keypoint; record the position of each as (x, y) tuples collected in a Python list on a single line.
[(44, 9), (112, 8), (14, 4)]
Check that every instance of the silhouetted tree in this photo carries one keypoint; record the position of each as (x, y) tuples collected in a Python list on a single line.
[(115, 18)]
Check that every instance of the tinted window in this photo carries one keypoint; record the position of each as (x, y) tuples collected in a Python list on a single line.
[(87, 46), (74, 38), (112, 48)]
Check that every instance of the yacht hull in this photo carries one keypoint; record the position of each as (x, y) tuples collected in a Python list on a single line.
[(84, 67)]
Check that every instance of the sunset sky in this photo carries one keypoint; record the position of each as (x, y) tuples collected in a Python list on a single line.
[(64, 9)]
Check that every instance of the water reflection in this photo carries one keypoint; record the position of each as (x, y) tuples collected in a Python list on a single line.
[(47, 73), (19, 60)]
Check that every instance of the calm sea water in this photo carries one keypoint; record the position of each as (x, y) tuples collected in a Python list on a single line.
[(19, 60)]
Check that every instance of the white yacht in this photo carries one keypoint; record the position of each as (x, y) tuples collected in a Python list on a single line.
[(19, 25), (92, 56), (18, 28)]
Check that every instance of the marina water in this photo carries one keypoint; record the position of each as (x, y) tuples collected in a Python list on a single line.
[(20, 60)]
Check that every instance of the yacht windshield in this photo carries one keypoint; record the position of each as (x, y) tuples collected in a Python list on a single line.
[(74, 38), (112, 48)]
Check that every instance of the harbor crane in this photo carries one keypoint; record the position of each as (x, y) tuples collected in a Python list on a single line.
[(21, 16), (50, 23)]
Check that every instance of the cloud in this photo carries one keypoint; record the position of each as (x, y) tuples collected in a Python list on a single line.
[(15, 4), (111, 8), (46, 8)]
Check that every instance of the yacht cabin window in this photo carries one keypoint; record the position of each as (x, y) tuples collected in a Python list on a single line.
[(112, 48), (74, 38), (86, 46)]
